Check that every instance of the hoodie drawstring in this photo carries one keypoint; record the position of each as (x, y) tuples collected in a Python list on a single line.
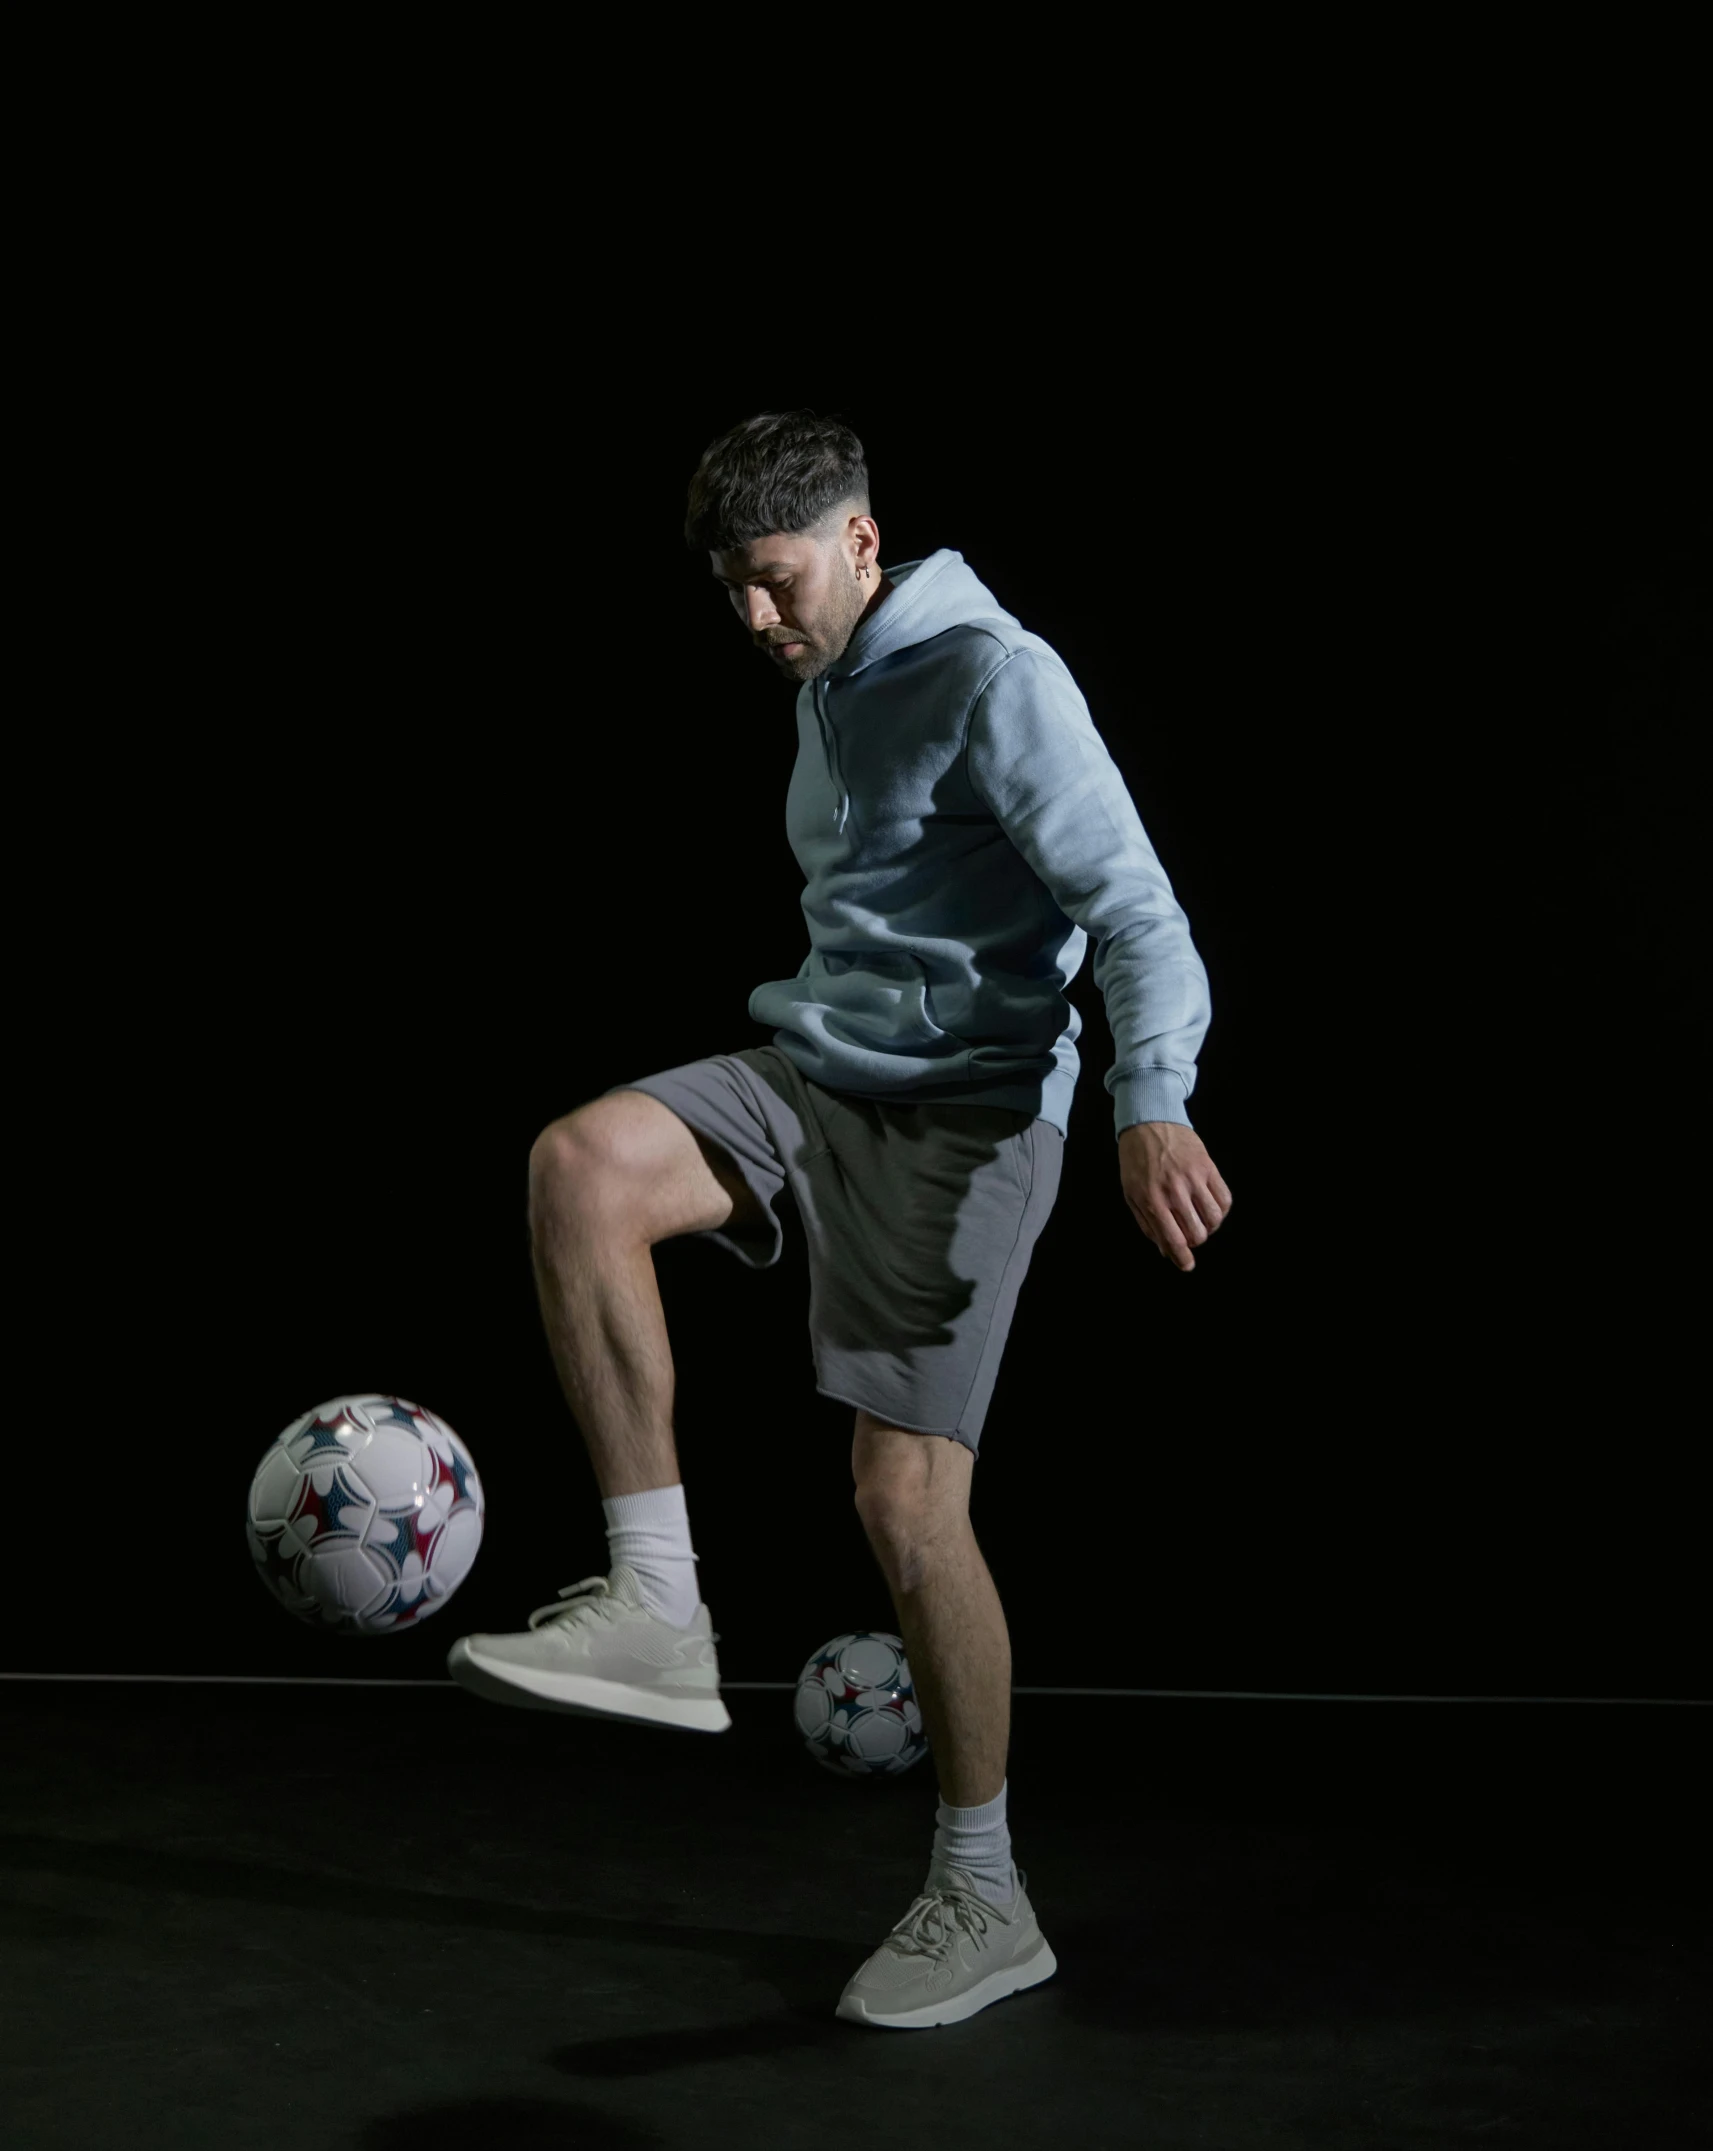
[(830, 746)]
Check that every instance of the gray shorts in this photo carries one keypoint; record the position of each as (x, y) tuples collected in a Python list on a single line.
[(919, 1220)]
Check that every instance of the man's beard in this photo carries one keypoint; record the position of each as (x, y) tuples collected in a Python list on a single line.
[(828, 642)]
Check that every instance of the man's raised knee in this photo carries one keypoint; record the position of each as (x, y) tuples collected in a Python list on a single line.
[(568, 1165), (628, 1155)]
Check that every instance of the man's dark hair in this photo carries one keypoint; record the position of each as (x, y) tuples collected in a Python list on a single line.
[(781, 471)]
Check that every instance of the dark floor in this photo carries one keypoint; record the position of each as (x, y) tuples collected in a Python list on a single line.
[(316, 1917)]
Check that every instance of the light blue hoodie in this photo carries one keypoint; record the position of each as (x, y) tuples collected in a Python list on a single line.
[(963, 831)]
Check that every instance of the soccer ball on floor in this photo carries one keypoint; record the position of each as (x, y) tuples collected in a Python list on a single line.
[(856, 1707), (365, 1515)]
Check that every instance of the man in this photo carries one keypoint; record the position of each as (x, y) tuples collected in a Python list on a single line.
[(962, 831)]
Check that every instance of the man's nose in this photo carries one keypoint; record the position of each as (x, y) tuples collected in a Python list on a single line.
[(762, 612)]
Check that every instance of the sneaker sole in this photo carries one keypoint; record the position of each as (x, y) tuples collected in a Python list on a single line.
[(585, 1695)]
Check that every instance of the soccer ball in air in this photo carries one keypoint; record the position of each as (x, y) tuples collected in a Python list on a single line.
[(856, 1707), (365, 1515)]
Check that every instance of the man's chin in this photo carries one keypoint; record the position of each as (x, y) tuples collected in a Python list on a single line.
[(804, 662)]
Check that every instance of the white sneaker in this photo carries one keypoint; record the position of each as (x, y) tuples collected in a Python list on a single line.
[(603, 1655)]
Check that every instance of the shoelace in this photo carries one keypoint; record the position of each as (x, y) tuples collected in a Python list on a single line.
[(930, 1926), (598, 1587)]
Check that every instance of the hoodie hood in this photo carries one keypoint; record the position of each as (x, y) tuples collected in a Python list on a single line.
[(927, 598)]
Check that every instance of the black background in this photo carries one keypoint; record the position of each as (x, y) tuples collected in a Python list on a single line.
[(416, 785)]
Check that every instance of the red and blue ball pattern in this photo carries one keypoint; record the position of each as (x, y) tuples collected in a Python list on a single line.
[(365, 1515), (856, 1707)]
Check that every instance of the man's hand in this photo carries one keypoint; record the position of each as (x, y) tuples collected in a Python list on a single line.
[(1172, 1186)]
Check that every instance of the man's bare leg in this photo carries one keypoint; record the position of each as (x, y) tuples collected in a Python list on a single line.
[(606, 1330)]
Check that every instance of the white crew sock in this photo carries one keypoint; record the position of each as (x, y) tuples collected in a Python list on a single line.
[(650, 1534), (977, 1839)]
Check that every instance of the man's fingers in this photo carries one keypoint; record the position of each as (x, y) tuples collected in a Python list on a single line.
[(1160, 1227), (1172, 1243), (1182, 1210)]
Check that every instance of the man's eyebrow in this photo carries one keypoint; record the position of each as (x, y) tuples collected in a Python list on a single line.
[(765, 567)]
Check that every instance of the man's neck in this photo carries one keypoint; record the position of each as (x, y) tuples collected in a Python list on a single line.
[(878, 599)]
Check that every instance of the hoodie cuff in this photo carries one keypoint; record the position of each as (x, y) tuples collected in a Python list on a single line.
[(1154, 1094)]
